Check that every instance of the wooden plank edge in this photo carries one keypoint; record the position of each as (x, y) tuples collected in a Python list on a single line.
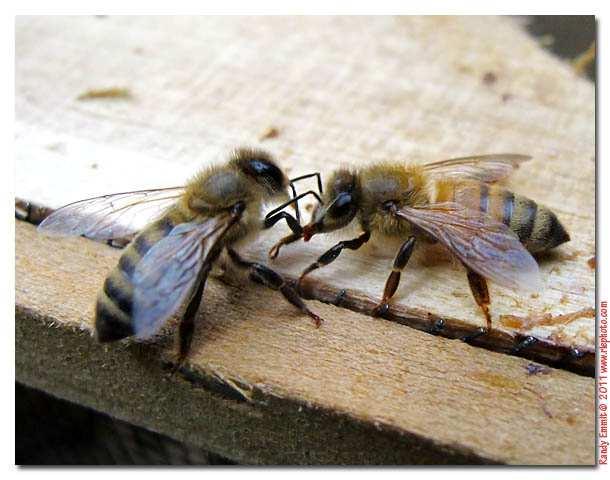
[(249, 424), (576, 359)]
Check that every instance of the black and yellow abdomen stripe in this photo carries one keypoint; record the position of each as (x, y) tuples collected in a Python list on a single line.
[(113, 311), (537, 227)]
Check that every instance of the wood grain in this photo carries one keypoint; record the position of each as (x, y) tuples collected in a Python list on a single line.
[(441, 395)]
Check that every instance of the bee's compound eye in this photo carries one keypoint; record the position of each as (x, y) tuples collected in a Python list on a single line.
[(268, 172), (341, 206)]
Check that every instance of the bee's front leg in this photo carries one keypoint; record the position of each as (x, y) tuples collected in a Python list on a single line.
[(293, 224)]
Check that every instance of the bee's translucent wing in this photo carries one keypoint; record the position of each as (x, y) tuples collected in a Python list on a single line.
[(166, 275), (111, 216), (483, 244), (484, 168)]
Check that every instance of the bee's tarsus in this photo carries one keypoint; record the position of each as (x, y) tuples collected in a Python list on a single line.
[(527, 342), (293, 224), (473, 336), (437, 326), (275, 250), (340, 297), (382, 309)]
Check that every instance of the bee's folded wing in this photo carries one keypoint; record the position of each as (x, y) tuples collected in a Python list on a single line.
[(111, 216), (166, 275), (483, 244), (484, 168)]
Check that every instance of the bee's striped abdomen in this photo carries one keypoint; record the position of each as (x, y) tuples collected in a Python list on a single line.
[(536, 226), (113, 312)]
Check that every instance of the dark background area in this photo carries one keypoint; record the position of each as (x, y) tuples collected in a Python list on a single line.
[(565, 36), (50, 431)]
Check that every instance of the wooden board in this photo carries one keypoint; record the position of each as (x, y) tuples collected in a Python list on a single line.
[(347, 101), (411, 88), (431, 400)]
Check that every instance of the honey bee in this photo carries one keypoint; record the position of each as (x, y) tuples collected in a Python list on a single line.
[(182, 232), (492, 231)]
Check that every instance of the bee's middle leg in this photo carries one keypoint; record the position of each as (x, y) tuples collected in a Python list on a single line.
[(391, 284), (262, 274), (480, 292)]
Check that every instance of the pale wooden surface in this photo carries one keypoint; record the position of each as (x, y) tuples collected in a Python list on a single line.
[(338, 91), (451, 396)]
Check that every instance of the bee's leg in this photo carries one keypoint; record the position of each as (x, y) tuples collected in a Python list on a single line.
[(478, 287), (262, 274), (391, 284), (187, 324), (293, 224), (331, 254)]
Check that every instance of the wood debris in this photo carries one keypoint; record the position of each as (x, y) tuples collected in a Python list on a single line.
[(112, 92)]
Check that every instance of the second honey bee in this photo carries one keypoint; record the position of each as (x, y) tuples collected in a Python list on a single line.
[(492, 231), (182, 232)]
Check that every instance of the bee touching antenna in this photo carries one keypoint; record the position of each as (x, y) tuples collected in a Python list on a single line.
[(294, 191), (294, 200), (294, 224)]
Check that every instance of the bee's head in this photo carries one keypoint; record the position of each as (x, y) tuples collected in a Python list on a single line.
[(260, 166), (339, 207)]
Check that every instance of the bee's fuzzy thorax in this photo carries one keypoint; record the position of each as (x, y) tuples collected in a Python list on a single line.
[(404, 184), (217, 188)]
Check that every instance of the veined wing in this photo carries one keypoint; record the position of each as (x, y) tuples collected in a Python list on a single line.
[(484, 168), (483, 244), (111, 216), (169, 271)]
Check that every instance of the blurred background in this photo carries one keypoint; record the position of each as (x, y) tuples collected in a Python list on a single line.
[(51, 431)]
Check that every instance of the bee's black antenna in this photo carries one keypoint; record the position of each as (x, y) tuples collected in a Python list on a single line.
[(295, 199), (296, 208), (309, 175), (294, 191)]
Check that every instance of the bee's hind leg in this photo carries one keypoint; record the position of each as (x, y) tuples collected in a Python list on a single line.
[(480, 292), (187, 324), (391, 284), (262, 274)]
